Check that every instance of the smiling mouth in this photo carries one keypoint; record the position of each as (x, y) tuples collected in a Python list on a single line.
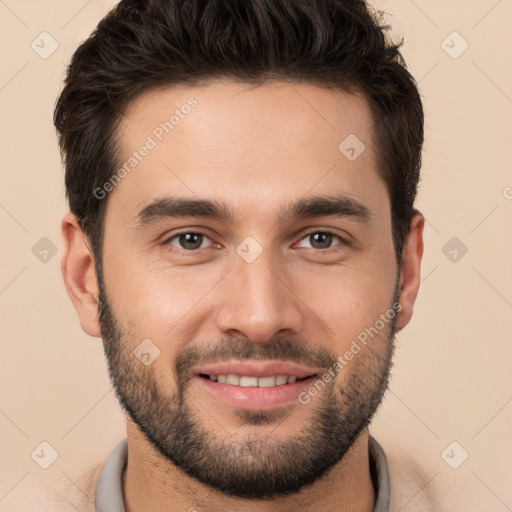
[(254, 382)]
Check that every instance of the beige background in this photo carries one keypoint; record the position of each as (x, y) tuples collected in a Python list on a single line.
[(452, 378)]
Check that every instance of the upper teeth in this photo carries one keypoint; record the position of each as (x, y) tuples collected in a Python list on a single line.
[(246, 381)]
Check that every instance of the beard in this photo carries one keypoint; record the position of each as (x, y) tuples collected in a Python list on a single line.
[(256, 465)]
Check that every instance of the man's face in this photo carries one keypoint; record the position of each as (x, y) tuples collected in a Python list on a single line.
[(262, 290)]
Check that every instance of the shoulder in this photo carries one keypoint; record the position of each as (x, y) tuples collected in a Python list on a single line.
[(410, 485), (425, 487), (58, 494)]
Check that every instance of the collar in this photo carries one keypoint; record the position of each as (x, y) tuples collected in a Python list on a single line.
[(109, 489)]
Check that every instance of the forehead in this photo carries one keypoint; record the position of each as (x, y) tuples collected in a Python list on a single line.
[(245, 145)]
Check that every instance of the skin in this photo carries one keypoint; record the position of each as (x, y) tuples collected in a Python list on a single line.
[(256, 150)]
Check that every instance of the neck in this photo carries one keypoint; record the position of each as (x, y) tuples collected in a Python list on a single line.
[(151, 482)]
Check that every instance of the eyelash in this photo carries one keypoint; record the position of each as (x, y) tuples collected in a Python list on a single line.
[(306, 235)]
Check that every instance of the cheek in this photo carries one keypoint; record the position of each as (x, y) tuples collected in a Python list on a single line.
[(347, 299), (158, 301)]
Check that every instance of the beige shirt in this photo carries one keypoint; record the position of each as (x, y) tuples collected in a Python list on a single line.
[(410, 488)]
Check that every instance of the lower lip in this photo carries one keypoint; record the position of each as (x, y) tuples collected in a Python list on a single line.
[(255, 398)]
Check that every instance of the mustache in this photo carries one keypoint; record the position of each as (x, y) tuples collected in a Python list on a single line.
[(240, 349)]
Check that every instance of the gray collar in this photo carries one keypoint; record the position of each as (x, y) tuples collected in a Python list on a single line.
[(380, 475), (109, 490)]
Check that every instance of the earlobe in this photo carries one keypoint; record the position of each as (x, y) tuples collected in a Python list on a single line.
[(79, 274), (410, 275)]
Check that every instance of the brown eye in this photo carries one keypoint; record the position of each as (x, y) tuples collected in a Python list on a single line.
[(321, 240), (188, 241)]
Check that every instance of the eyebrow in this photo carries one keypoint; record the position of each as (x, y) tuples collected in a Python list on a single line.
[(304, 208)]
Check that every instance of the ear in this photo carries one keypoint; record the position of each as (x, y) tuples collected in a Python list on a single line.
[(409, 282), (79, 274)]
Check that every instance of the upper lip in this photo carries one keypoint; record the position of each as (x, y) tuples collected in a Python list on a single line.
[(258, 369)]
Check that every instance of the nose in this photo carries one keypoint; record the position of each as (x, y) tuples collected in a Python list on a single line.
[(258, 302)]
